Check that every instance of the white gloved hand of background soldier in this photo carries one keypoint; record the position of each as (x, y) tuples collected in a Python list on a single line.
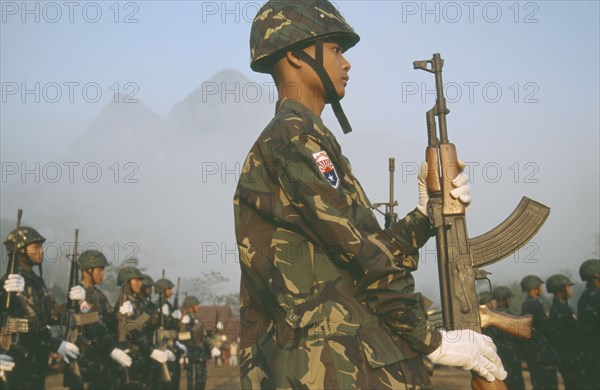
[(461, 189), (6, 363), (68, 351), (170, 355), (159, 356), (177, 314), (186, 319), (14, 283), (471, 351), (77, 293), (165, 309), (126, 308), (119, 356)]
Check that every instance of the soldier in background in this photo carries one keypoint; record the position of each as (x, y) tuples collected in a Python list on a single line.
[(193, 335), (98, 341), (164, 289), (32, 302), (563, 333), (588, 312), (132, 326), (507, 345), (540, 356)]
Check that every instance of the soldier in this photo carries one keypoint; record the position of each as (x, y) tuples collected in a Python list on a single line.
[(99, 338), (171, 316), (33, 303), (563, 333), (133, 323), (193, 335), (540, 356), (327, 296), (507, 344), (588, 312)]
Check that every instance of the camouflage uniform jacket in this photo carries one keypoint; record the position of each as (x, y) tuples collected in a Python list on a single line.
[(321, 281), (588, 313), (136, 324), (37, 306), (538, 350), (101, 334)]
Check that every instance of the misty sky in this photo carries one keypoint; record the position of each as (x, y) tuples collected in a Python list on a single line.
[(522, 83)]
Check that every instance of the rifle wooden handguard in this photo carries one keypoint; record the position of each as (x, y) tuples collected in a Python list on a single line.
[(516, 326)]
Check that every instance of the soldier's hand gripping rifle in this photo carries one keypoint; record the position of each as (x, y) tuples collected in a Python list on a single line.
[(460, 258), (390, 215)]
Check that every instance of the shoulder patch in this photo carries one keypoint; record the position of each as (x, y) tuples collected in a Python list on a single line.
[(327, 168)]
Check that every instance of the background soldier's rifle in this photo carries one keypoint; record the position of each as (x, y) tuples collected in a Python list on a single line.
[(160, 337), (122, 332), (72, 375), (11, 326), (460, 257), (176, 299), (389, 214)]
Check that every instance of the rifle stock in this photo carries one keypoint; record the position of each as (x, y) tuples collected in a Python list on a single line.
[(457, 264)]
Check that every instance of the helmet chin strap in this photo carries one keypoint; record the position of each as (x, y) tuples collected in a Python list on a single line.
[(331, 94)]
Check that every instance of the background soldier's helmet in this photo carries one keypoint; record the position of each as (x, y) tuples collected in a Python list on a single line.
[(189, 301), (530, 281), (147, 281), (556, 282), (589, 268), (484, 297), (91, 259), (502, 292), (127, 273), (282, 25), (163, 284), (27, 235)]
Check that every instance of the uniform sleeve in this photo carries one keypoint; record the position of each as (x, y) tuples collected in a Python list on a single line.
[(346, 229)]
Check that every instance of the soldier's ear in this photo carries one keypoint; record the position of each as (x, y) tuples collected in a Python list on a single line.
[(293, 60)]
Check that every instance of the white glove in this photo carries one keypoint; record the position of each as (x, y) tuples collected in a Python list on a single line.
[(177, 314), (423, 194), (14, 283), (165, 309), (6, 363), (121, 357), (126, 308), (461, 189), (471, 351), (68, 350), (170, 355), (186, 319), (159, 356), (181, 346), (77, 293)]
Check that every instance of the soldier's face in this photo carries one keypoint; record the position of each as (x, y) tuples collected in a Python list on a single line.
[(136, 285), (148, 291), (35, 252), (568, 292), (98, 275), (336, 66), (168, 293)]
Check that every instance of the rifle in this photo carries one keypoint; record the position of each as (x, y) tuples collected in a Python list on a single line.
[(460, 258), (72, 375), (161, 338), (176, 299), (390, 215)]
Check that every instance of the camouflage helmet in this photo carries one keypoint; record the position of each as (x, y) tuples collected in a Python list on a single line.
[(128, 273), (189, 301), (147, 281), (589, 268), (556, 282), (162, 285), (530, 281), (484, 297), (27, 235), (91, 259), (282, 25), (502, 292)]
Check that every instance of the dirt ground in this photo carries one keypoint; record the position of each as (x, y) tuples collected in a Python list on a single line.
[(227, 378)]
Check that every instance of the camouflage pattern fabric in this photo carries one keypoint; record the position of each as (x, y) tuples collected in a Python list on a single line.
[(588, 311), (198, 352), (327, 296)]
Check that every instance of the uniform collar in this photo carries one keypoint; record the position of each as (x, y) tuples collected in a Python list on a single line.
[(296, 106)]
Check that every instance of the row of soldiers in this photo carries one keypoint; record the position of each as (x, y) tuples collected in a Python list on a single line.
[(136, 343), (563, 340)]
